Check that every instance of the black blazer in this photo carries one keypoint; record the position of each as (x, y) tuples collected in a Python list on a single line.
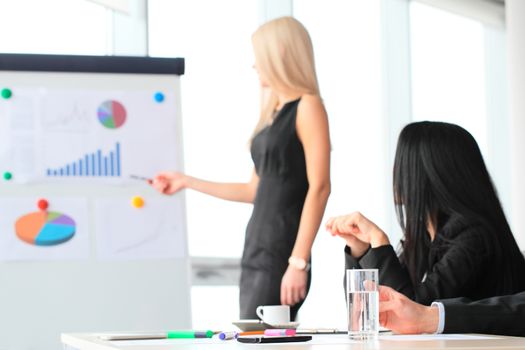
[(463, 261), (504, 315)]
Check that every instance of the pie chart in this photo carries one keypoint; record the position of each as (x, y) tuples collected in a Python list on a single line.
[(45, 228), (111, 114)]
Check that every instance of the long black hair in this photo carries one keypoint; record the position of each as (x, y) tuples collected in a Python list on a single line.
[(439, 173)]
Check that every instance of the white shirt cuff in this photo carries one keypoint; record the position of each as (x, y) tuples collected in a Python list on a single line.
[(441, 323)]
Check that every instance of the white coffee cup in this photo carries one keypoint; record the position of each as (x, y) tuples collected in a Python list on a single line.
[(274, 314)]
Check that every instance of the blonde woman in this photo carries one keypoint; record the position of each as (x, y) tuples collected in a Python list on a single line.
[(290, 182)]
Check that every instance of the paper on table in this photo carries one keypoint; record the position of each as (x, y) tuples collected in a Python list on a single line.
[(316, 340), (427, 337), (164, 342)]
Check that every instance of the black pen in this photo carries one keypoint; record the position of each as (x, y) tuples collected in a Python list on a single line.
[(257, 340)]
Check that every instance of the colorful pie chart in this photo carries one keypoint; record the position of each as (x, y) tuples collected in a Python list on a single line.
[(112, 114), (45, 228)]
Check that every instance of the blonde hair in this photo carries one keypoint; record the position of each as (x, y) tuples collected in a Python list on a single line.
[(285, 58)]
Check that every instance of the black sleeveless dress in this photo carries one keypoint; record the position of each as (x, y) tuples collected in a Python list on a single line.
[(279, 161)]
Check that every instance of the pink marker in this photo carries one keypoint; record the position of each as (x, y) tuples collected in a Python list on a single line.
[(279, 332)]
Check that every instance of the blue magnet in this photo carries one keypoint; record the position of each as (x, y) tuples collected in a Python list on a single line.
[(159, 97)]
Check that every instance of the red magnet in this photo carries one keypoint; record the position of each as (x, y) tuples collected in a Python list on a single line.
[(43, 204)]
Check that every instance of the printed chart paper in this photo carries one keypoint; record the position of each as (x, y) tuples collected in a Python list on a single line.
[(154, 231), (54, 135), (30, 234)]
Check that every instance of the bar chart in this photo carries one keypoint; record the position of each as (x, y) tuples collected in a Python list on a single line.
[(94, 164)]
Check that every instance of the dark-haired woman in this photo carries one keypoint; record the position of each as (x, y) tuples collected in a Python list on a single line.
[(457, 241)]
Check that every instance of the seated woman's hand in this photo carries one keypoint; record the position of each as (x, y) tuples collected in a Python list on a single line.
[(358, 232)]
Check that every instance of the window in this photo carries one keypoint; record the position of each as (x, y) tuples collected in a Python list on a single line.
[(220, 108), (347, 45), (449, 74), (54, 27), (448, 69), (458, 76), (217, 48)]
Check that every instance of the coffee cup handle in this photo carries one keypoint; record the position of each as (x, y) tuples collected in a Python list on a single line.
[(259, 312)]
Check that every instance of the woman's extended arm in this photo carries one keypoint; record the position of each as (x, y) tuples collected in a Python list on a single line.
[(312, 129), (172, 182)]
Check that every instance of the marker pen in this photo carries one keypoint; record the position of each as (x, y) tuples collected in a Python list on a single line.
[(161, 335), (251, 333), (228, 335), (140, 178), (279, 332), (189, 334)]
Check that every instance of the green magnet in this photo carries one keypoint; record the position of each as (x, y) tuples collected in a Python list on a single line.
[(6, 93), (8, 175)]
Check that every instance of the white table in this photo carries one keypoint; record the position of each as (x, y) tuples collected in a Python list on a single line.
[(90, 341)]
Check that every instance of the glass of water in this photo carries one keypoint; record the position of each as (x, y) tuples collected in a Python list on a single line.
[(362, 303)]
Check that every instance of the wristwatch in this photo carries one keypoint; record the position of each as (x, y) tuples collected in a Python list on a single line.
[(298, 263)]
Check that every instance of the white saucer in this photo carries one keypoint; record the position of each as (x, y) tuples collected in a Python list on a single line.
[(258, 325), (287, 325)]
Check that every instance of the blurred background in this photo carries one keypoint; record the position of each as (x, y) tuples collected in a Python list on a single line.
[(381, 64)]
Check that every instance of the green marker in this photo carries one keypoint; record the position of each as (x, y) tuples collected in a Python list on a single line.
[(189, 334), (6, 93), (8, 176), (163, 335)]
